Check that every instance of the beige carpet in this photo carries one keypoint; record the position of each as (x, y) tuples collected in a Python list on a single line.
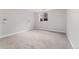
[(36, 39)]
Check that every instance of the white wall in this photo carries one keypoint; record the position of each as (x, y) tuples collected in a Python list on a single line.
[(0, 28), (73, 27), (56, 21), (17, 20), (0, 25)]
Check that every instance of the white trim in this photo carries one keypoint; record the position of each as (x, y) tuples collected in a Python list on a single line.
[(69, 41), (12, 34), (52, 30)]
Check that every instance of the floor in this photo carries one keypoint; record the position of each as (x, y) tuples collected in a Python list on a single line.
[(36, 39)]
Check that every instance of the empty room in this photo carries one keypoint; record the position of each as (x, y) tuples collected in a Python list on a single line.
[(39, 28)]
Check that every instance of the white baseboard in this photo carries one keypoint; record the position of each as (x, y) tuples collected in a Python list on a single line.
[(70, 41), (12, 34), (52, 31)]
